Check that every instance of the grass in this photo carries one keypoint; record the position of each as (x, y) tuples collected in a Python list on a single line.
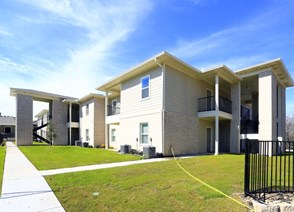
[(2, 158), (46, 157), (160, 186)]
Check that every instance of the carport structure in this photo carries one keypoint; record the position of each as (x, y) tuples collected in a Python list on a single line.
[(63, 112)]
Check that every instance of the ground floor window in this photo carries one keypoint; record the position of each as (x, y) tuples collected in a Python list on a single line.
[(113, 135), (7, 130), (87, 135), (144, 128)]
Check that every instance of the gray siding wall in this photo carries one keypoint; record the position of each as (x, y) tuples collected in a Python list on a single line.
[(59, 119), (99, 121), (224, 136), (180, 132), (235, 122), (24, 120)]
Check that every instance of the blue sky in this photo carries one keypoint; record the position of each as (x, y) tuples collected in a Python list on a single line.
[(70, 47)]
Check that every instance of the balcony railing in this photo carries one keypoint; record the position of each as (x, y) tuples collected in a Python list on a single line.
[(208, 104), (112, 110)]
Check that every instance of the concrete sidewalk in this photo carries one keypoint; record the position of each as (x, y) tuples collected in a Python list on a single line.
[(100, 166), (24, 188)]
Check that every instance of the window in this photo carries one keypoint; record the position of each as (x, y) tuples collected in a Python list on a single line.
[(113, 135), (7, 130), (145, 86), (87, 135), (144, 133), (87, 109)]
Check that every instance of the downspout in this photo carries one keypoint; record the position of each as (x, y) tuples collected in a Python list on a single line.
[(163, 102)]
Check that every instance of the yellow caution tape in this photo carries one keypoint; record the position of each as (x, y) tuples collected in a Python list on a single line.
[(209, 186)]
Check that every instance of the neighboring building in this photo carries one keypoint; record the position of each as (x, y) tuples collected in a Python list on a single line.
[(7, 126), (166, 103), (92, 119), (63, 110), (42, 119)]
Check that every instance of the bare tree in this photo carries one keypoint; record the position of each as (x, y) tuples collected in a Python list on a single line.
[(290, 127), (51, 132)]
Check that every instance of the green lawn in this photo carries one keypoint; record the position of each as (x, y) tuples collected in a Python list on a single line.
[(2, 157), (160, 186), (46, 157)]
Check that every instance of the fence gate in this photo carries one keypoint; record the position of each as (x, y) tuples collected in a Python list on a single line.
[(269, 168)]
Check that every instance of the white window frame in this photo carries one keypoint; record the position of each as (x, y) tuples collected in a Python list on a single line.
[(141, 89), (113, 135), (143, 134)]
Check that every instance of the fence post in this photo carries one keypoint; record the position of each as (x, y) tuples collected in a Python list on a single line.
[(247, 167)]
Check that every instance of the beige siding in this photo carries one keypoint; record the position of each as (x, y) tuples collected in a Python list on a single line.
[(94, 121), (87, 122), (116, 144), (131, 102), (129, 131), (182, 92), (183, 129)]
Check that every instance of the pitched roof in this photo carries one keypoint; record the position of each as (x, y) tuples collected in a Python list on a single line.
[(7, 120), (39, 95), (90, 96), (156, 61), (276, 65)]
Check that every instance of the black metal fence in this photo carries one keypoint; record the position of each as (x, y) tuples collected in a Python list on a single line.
[(269, 168), (208, 104)]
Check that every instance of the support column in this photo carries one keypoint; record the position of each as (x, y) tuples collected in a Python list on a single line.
[(24, 120), (59, 120), (217, 114), (106, 125), (267, 86), (235, 122), (267, 107)]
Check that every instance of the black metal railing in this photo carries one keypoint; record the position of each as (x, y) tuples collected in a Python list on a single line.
[(43, 120), (269, 168), (208, 104), (111, 110)]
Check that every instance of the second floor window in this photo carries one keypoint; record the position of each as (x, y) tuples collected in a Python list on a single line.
[(145, 87), (87, 109)]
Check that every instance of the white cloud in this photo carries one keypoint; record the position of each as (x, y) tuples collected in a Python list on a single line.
[(104, 25), (6, 33)]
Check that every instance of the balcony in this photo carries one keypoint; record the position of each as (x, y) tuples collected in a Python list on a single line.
[(208, 104), (111, 110)]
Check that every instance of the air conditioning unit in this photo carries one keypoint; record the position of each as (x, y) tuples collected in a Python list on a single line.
[(125, 149), (149, 152)]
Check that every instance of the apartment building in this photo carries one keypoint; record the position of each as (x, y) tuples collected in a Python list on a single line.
[(165, 102), (92, 119)]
